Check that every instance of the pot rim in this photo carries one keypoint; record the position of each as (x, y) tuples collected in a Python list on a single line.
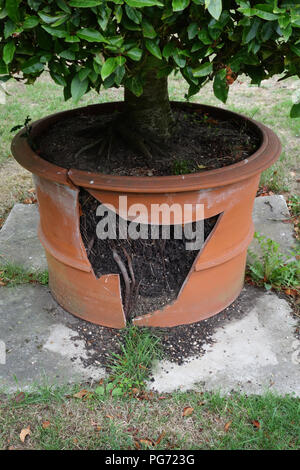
[(265, 156)]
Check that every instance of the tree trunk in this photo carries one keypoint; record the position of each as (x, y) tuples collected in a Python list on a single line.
[(151, 112)]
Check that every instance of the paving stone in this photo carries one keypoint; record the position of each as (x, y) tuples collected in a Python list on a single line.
[(19, 243), (256, 353), (38, 343), (270, 216)]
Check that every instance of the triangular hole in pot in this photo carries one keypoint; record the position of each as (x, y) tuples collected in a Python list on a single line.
[(152, 272)]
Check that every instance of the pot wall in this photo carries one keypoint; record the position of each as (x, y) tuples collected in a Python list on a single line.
[(217, 275)]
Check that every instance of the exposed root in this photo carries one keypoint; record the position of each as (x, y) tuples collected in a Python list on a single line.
[(123, 270), (87, 147), (129, 261), (147, 145)]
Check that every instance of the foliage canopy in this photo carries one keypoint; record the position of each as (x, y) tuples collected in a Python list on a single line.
[(87, 44)]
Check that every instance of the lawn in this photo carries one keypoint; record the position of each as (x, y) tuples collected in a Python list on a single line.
[(54, 419)]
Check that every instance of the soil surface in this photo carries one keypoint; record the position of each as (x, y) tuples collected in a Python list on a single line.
[(159, 266), (201, 142), (179, 343)]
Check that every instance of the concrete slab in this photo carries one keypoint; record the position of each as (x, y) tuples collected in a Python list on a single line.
[(269, 214), (19, 243), (253, 354), (38, 343)]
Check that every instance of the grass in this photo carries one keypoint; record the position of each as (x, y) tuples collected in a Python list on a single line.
[(58, 421), (274, 269), (12, 275), (95, 418), (139, 350), (294, 205)]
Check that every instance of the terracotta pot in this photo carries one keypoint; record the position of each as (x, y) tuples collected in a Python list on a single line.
[(217, 275)]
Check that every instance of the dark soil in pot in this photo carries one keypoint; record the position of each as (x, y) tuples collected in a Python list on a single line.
[(201, 142), (159, 266)]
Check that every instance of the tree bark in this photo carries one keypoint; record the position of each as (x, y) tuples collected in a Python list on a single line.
[(151, 112)]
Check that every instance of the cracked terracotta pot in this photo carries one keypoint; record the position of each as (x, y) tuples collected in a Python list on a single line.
[(217, 274)]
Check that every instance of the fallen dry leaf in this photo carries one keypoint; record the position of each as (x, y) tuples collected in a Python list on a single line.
[(81, 394), (291, 292), (162, 435), (147, 442), (20, 397), (187, 411), (46, 424), (227, 426), (137, 445), (256, 424), (24, 433)]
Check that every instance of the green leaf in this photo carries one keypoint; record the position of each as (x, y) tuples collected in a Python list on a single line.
[(100, 390), (265, 12), (67, 54), (32, 66), (91, 35), (133, 14), (12, 8), (295, 49), (59, 33), (295, 111), (220, 86), (117, 392), (85, 3), (78, 87), (84, 73), (135, 53), (109, 67), (192, 30), (58, 79), (203, 70), (135, 85), (118, 13), (169, 49), (214, 7), (30, 22), (179, 60), (63, 6), (144, 3), (148, 30), (179, 5), (9, 28), (153, 48), (72, 39), (9, 52)]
